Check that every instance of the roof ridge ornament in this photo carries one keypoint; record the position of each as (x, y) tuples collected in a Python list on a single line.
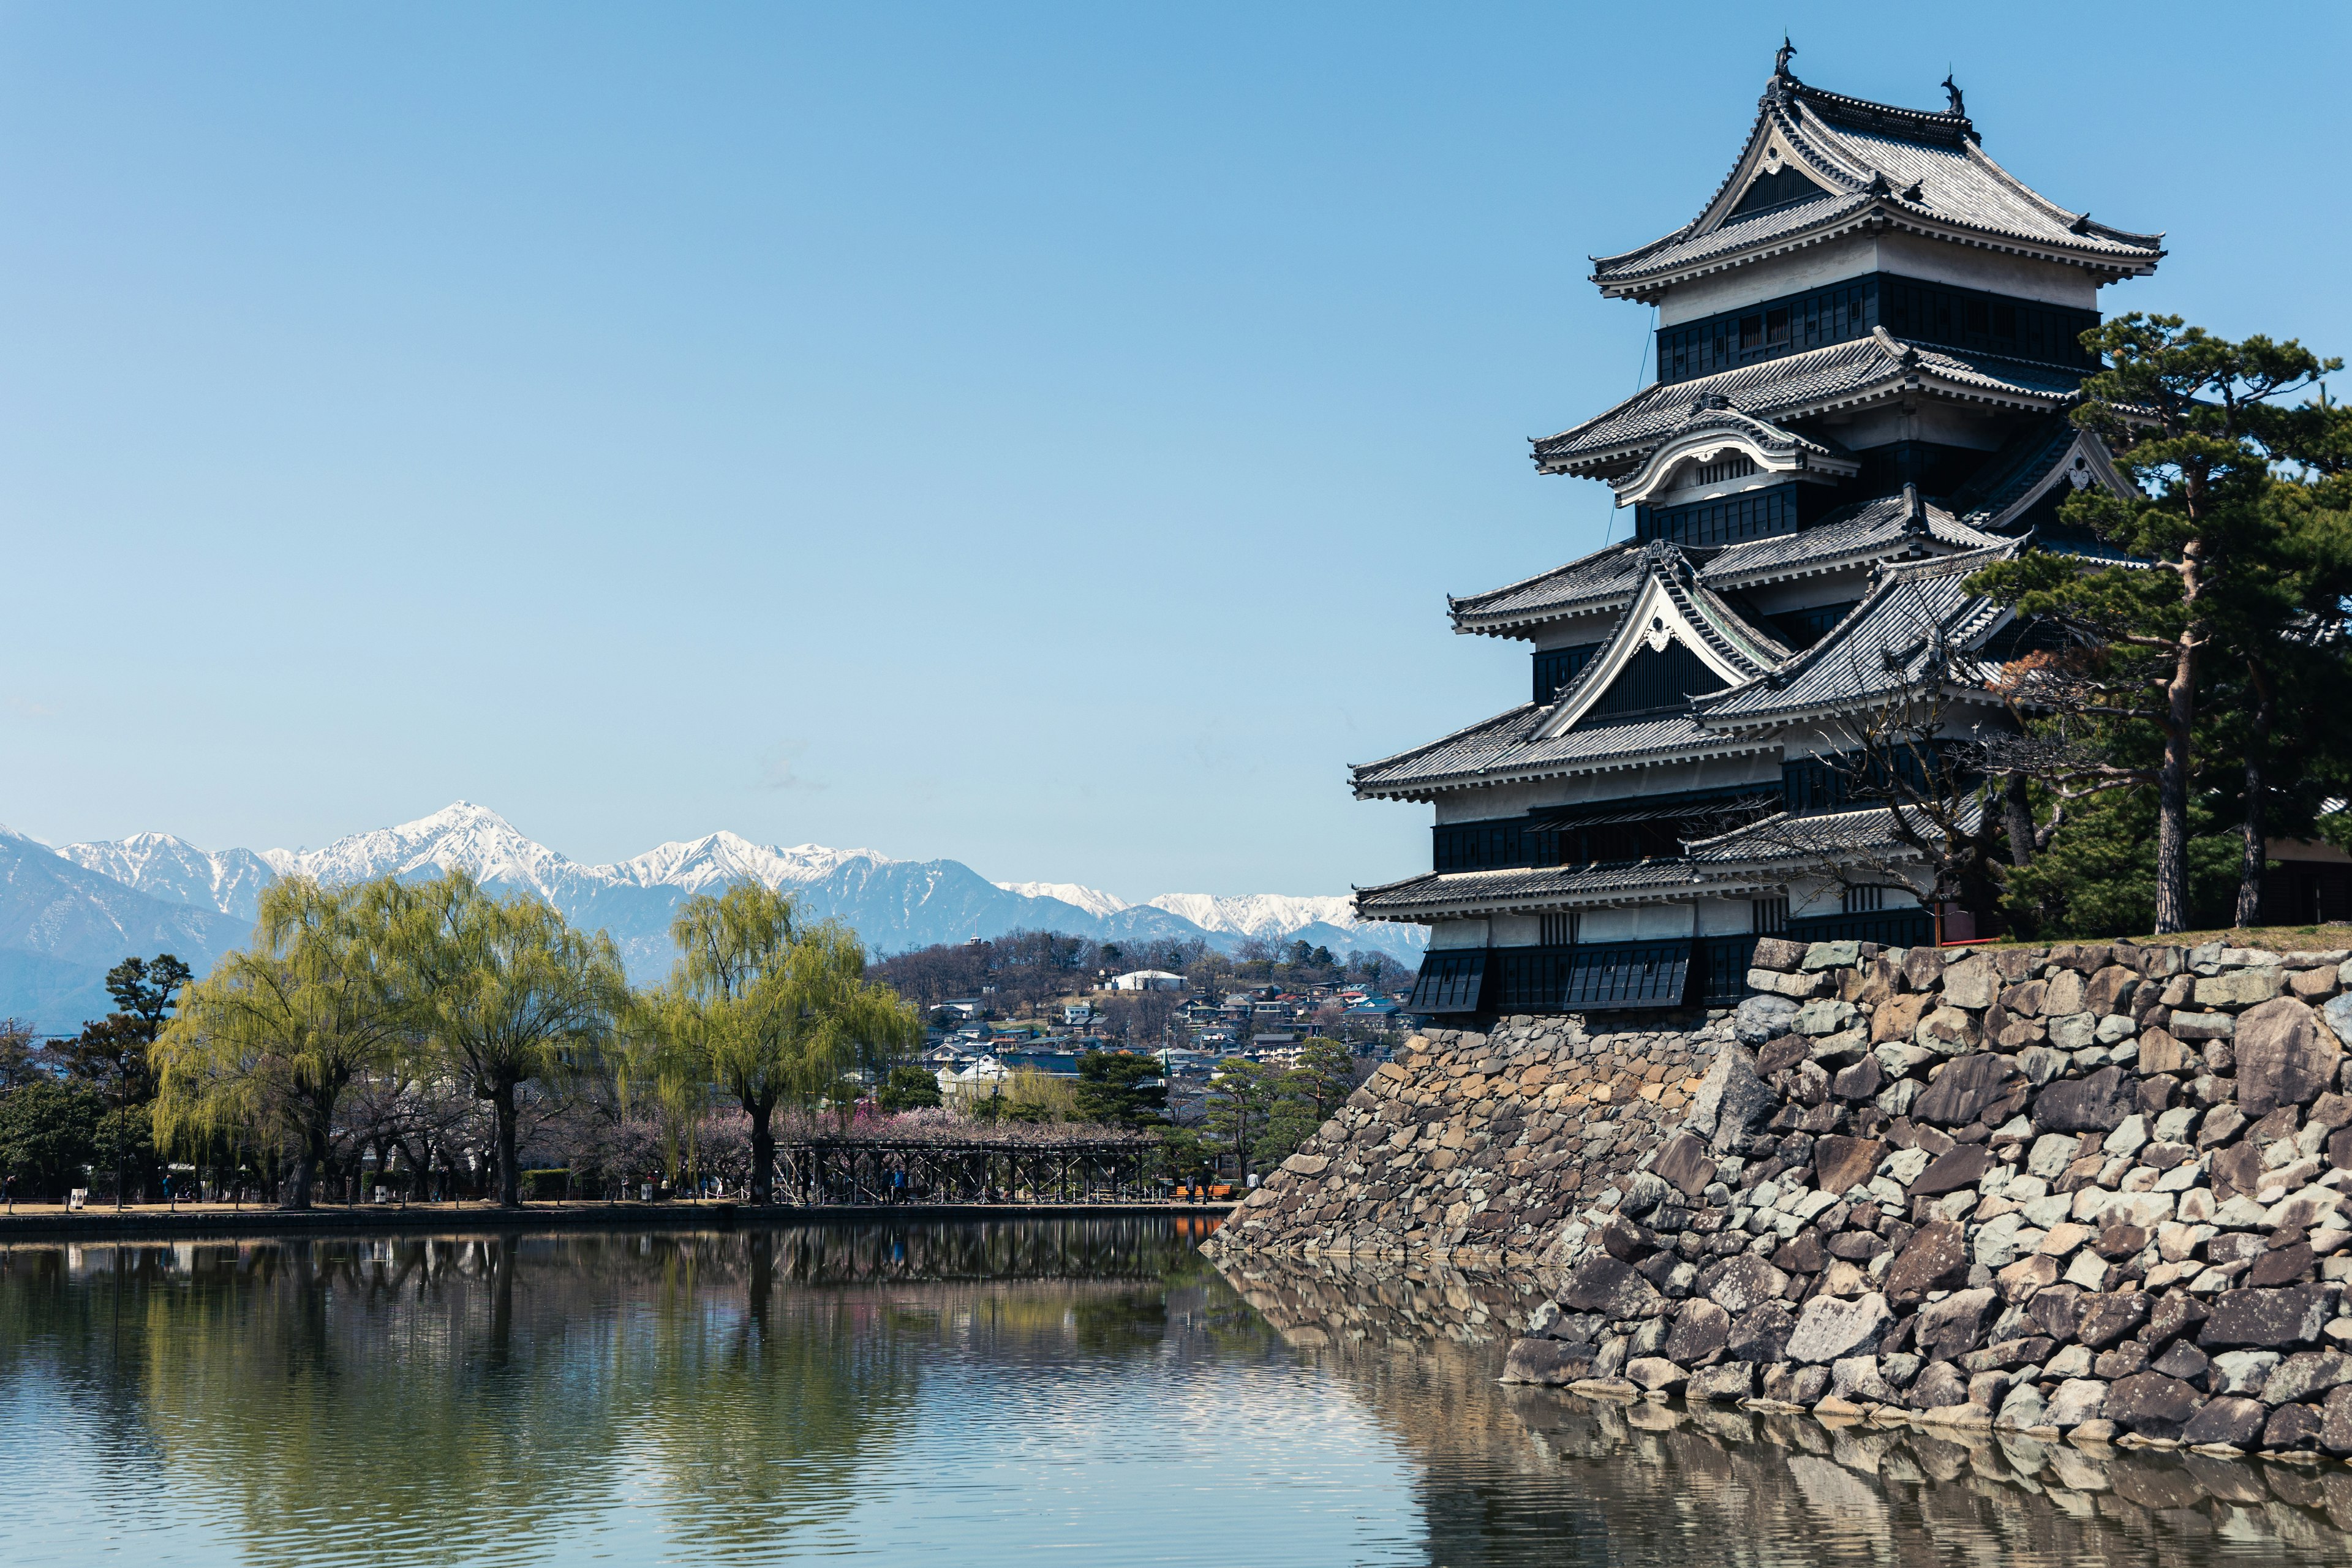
[(1781, 71), (1959, 108), (1915, 515)]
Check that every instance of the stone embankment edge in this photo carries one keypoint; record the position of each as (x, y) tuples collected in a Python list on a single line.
[(133, 1228), (2089, 1189)]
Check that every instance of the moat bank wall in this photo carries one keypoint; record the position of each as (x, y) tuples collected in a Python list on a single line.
[(2095, 1189), (1474, 1146)]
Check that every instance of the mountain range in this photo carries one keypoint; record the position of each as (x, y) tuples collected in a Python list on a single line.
[(67, 914)]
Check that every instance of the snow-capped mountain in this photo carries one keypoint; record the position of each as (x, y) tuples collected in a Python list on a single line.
[(177, 872), (718, 858), (63, 926), (460, 834), (1266, 915), (1094, 901), (893, 904)]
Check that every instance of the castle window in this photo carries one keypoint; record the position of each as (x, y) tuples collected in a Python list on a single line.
[(1740, 465), (1562, 931), (1768, 917), (1776, 326), (1751, 332), (1862, 900)]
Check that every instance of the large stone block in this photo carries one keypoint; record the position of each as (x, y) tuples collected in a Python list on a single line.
[(2078, 1399), (1963, 1166), (2151, 1404), (1609, 1286), (2338, 1014), (2228, 1419), (1761, 1332), (2284, 1055), (1724, 1383), (2335, 1421), (1841, 1162), (1971, 983), (2268, 1320), (2239, 988), (1682, 1163), (1655, 1373), (1936, 1259), (1897, 1016), (2104, 1319), (2306, 1376), (1700, 1334), (1947, 1031), (2160, 1054), (1738, 1283), (1967, 1087), (1546, 1362), (2094, 1104), (1760, 1019), (1830, 1329), (1732, 1100), (1949, 1329), (1825, 1016)]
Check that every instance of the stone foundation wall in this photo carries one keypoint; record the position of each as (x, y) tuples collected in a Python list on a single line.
[(1475, 1146), (2093, 1190)]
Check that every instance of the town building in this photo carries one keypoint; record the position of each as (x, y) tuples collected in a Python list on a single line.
[(1867, 349), (1148, 980)]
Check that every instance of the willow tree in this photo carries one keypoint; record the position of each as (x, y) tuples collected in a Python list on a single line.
[(268, 1043), (498, 992), (767, 1010)]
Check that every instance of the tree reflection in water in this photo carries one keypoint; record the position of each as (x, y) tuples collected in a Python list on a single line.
[(1521, 1476), (416, 1398)]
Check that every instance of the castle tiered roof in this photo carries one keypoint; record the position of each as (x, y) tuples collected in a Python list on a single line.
[(1818, 166), (1843, 377), (1834, 445)]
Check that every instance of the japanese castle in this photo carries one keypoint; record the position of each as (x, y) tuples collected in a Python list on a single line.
[(1868, 347)]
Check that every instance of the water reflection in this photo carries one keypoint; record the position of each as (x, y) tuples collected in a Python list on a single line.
[(957, 1394), (1517, 1476), (883, 1391)]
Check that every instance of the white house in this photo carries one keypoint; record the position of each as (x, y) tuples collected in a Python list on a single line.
[(1148, 980)]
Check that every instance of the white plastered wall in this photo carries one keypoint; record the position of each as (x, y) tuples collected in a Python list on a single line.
[(1444, 935), (1641, 922), (1858, 255)]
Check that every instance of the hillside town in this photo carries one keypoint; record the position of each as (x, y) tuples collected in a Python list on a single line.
[(976, 1045)]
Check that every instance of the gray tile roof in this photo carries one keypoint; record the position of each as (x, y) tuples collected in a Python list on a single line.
[(1879, 166), (1786, 837), (1500, 750), (1870, 531), (1607, 579), (1888, 644), (2014, 471), (1862, 370), (1525, 886)]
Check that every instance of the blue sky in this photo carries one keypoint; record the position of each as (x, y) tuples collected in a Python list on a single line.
[(1039, 435)]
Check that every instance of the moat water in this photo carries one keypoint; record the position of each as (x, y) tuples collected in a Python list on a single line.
[(1086, 1392)]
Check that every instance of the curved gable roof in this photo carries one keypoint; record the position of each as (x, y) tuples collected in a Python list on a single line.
[(1886, 643), (1671, 598), (1876, 166)]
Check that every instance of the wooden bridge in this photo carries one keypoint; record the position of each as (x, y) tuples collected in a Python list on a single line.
[(864, 1172)]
